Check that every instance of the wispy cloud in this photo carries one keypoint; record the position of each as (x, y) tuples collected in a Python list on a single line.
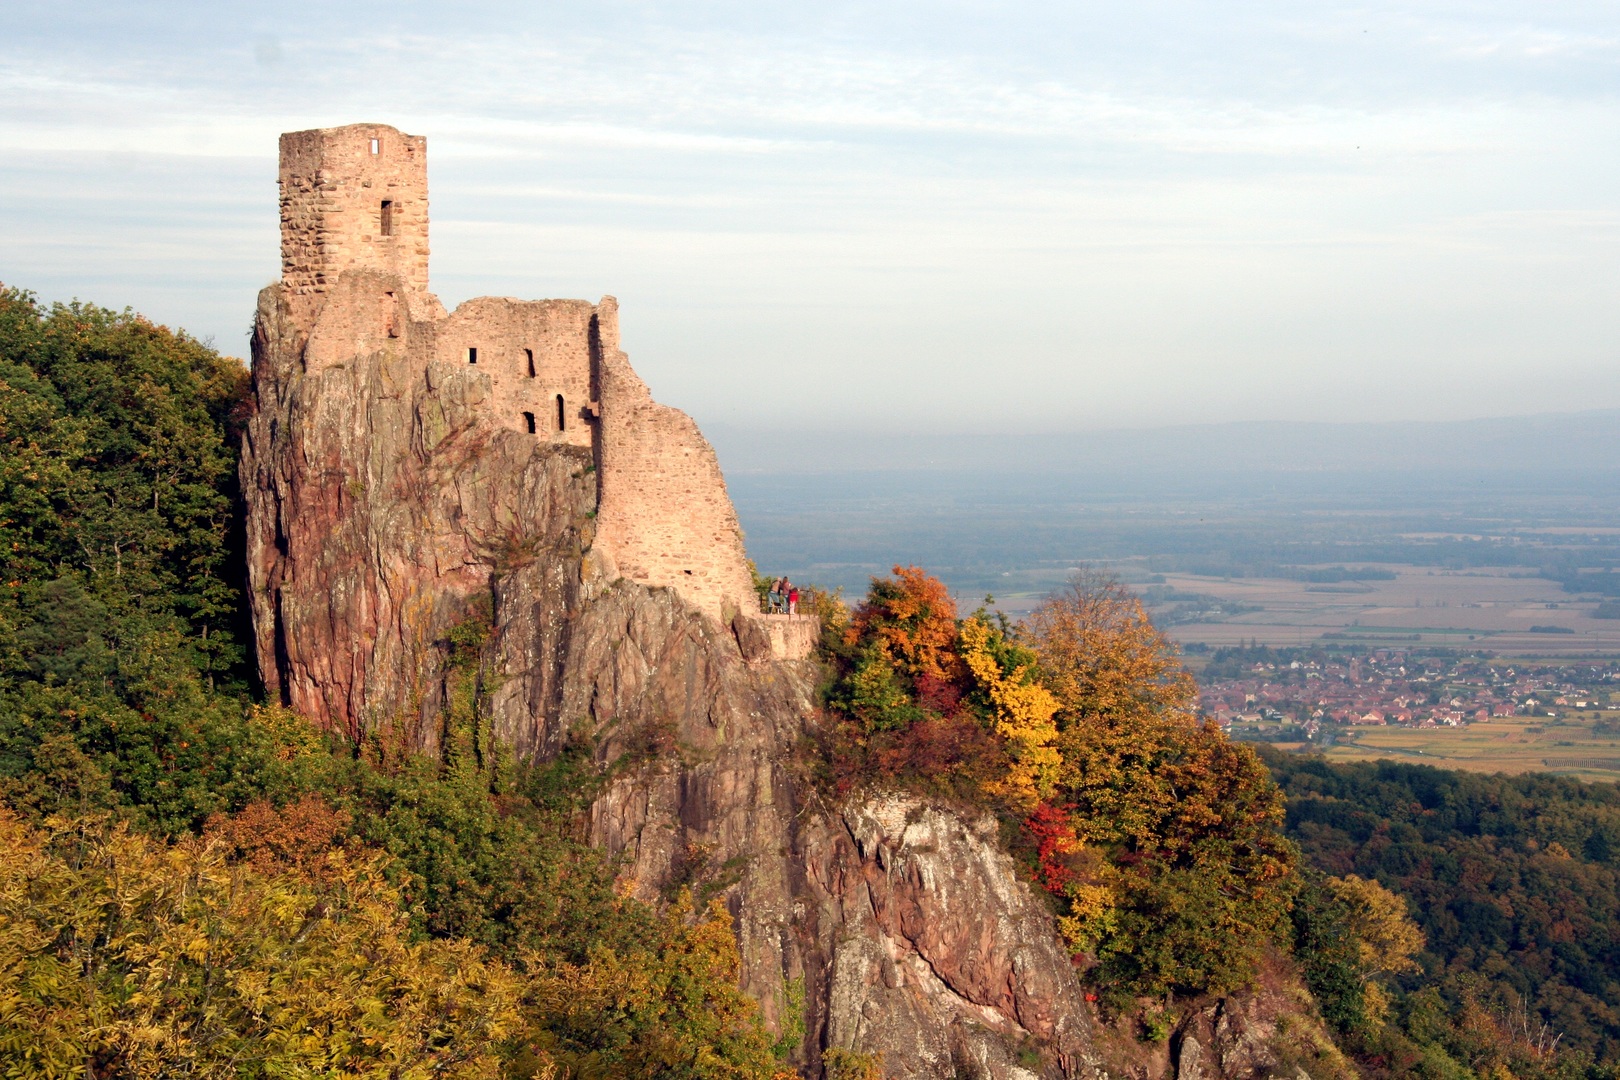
[(1032, 213)]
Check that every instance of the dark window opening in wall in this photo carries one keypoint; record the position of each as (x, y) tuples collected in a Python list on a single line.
[(530, 354), (472, 355), (376, 145), (388, 217), (528, 419), (562, 417)]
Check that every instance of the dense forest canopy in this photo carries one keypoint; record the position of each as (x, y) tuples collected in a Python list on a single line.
[(1514, 880)]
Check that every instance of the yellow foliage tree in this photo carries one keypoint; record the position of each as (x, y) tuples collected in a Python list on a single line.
[(1101, 654), (1387, 940), (1022, 710), (671, 1009), (121, 955)]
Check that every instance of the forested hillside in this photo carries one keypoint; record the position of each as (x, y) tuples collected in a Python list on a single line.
[(1514, 880), (194, 881)]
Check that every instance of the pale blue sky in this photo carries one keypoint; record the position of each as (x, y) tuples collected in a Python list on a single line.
[(949, 216)]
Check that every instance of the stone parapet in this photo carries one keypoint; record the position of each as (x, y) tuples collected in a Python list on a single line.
[(779, 637)]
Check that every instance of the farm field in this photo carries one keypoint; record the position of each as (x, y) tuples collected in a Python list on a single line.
[(1567, 745), (1483, 608)]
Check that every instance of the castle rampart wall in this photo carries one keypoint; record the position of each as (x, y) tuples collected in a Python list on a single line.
[(537, 355), (663, 512)]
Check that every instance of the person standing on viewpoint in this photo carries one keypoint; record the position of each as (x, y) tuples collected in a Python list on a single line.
[(793, 599)]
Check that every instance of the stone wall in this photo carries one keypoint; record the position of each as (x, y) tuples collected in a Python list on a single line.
[(537, 355), (353, 197), (664, 513)]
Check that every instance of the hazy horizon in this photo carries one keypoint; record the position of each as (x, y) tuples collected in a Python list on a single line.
[(884, 217), (1583, 443)]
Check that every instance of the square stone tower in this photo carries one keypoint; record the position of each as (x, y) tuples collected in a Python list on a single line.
[(353, 198)]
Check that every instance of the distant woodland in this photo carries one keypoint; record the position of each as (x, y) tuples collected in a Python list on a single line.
[(192, 880), (1514, 881)]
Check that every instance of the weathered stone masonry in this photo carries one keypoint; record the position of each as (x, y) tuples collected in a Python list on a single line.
[(353, 303)]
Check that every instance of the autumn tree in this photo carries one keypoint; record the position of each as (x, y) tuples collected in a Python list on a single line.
[(125, 956), (1101, 654), (900, 692), (669, 1007), (1020, 710), (909, 621), (1386, 939), (1163, 836)]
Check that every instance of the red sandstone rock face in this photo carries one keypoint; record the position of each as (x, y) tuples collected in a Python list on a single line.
[(939, 953), (381, 502), (386, 506), (395, 490)]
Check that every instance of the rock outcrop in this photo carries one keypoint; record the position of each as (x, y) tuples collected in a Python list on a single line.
[(386, 509), (389, 504)]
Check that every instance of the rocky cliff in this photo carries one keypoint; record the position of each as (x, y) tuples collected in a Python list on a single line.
[(387, 508), (412, 473)]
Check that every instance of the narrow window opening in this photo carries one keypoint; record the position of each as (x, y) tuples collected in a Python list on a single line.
[(562, 420), (530, 354), (528, 419), (388, 217), (472, 355), (376, 145)]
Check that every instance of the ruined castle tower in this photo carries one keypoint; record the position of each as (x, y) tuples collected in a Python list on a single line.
[(392, 394), (353, 198)]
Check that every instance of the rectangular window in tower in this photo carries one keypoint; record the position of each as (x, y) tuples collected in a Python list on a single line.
[(528, 419), (376, 146), (562, 421), (388, 217), (472, 354), (530, 354)]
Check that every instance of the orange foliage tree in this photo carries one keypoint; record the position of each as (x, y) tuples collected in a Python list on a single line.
[(900, 690), (1161, 837), (910, 620)]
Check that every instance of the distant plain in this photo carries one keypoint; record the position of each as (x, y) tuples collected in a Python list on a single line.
[(1566, 745), (1497, 537), (1480, 608)]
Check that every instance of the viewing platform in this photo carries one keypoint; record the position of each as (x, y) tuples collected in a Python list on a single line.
[(784, 637)]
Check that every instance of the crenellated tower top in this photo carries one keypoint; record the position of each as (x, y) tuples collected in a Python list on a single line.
[(353, 197)]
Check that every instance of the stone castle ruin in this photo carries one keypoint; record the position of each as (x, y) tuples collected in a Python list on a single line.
[(353, 297), (476, 530), (356, 199)]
